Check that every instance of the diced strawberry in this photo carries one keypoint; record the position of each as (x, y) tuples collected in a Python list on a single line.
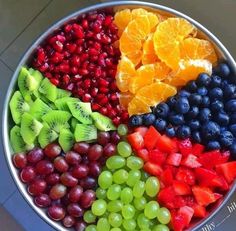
[(157, 157), (151, 137), (203, 195), (189, 200), (197, 149), (179, 201), (136, 140), (174, 159), (228, 170), (185, 175), (166, 197), (141, 130), (143, 153), (181, 188), (166, 144), (178, 222), (220, 182), (218, 196), (191, 161), (185, 147), (187, 212), (225, 156), (152, 169), (167, 177), (199, 211)]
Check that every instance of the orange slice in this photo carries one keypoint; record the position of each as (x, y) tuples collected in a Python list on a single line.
[(135, 57), (167, 38), (125, 71), (162, 71), (122, 19), (125, 98), (137, 106)]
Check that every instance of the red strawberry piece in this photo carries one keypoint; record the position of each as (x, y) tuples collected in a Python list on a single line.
[(157, 157), (191, 161), (181, 188), (167, 177), (166, 144), (187, 212), (221, 183), (199, 211), (144, 154), (185, 175), (228, 170), (185, 147), (197, 149), (179, 201), (141, 130), (178, 222), (174, 159), (218, 196), (136, 140), (151, 137), (152, 169), (166, 197)]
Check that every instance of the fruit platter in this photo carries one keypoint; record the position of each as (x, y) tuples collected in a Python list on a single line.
[(122, 116)]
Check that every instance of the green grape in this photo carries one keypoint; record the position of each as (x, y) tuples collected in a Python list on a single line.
[(134, 176), (114, 206), (138, 189), (128, 211), (160, 227), (101, 193), (139, 203), (89, 217), (113, 192), (143, 222), (99, 207), (105, 179), (91, 228), (124, 149), (115, 219), (134, 162), (151, 209), (145, 229), (126, 195), (163, 216), (120, 176), (144, 176), (115, 229), (122, 129), (115, 162), (129, 224), (152, 186), (103, 224)]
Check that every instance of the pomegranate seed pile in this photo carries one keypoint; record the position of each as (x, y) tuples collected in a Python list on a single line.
[(82, 58)]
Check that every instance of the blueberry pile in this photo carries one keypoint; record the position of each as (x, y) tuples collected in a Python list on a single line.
[(204, 110)]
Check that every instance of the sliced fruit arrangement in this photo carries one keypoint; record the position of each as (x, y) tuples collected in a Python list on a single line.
[(154, 50), (191, 178)]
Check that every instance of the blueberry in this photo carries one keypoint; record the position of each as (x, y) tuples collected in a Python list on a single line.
[(222, 118), (193, 112), (171, 101), (176, 119), (215, 81), (191, 86), (148, 119), (226, 138), (233, 150), (222, 69), (202, 91), (203, 80), (182, 105), (205, 101), (195, 99), (210, 130), (212, 145), (184, 93), (232, 118), (196, 136), (161, 110), (183, 132), (217, 106), (215, 93), (135, 120), (230, 106), (170, 131), (194, 124), (159, 124), (204, 114), (232, 128), (229, 91)]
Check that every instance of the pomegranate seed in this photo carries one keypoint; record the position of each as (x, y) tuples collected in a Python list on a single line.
[(87, 83), (64, 68), (114, 97), (74, 70), (87, 97), (103, 101), (116, 121), (93, 51), (71, 47), (95, 106), (105, 39), (43, 67), (103, 110), (103, 83), (108, 20), (66, 79), (94, 92), (75, 60), (68, 28), (54, 81), (84, 24), (58, 46), (103, 90)]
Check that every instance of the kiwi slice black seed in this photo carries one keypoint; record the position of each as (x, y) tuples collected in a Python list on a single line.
[(81, 111), (18, 107), (61, 103), (38, 109), (102, 122), (48, 90), (30, 128), (57, 119), (66, 139), (85, 132), (46, 136)]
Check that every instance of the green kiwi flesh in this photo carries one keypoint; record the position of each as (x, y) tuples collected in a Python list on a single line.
[(46, 136), (85, 132), (62, 93), (61, 103), (102, 122), (66, 139), (48, 90)]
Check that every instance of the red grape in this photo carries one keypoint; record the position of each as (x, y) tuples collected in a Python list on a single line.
[(109, 150), (56, 212), (37, 187), (73, 158), (75, 193), (103, 138), (68, 180), (115, 138), (88, 182), (20, 160), (44, 167), (85, 160), (81, 148), (95, 152), (57, 191), (52, 150), (27, 174), (80, 226), (94, 169), (42, 200), (80, 171), (68, 221), (52, 178), (75, 210), (60, 164), (87, 198), (35, 155)]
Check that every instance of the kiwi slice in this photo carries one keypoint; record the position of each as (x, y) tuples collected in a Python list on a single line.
[(66, 139), (18, 106), (85, 132), (62, 93), (73, 123), (57, 119), (61, 103), (30, 128), (46, 136), (102, 122), (38, 109), (17, 142), (81, 111), (48, 90)]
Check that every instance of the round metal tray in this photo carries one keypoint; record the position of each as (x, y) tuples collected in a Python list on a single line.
[(115, 5)]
